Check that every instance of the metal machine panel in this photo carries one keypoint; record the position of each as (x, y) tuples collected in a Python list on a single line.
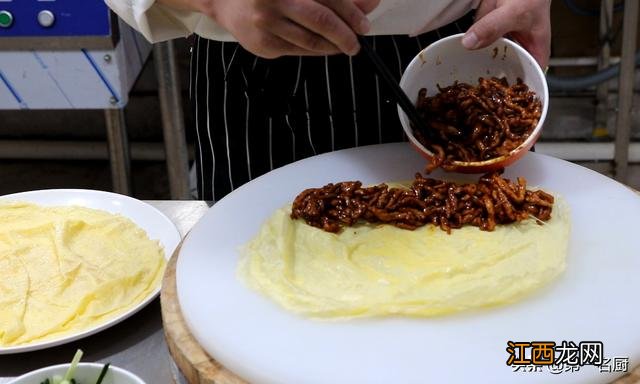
[(72, 79), (56, 24), (67, 18)]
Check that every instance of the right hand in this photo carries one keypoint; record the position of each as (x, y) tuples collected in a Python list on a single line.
[(273, 28), (526, 21)]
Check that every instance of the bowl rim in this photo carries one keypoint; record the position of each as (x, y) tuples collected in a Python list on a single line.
[(120, 370), (528, 143)]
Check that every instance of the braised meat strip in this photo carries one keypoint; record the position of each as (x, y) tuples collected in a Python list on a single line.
[(491, 201), (477, 123)]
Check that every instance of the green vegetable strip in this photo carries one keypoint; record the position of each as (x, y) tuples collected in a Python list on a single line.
[(103, 373), (74, 365)]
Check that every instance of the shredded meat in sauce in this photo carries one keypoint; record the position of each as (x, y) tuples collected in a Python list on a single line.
[(477, 123), (491, 201)]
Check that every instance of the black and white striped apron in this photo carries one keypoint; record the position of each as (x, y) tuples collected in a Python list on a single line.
[(253, 115)]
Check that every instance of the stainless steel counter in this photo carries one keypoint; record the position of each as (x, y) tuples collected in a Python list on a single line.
[(136, 344)]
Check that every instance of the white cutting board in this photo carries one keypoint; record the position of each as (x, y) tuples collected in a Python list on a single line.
[(595, 299)]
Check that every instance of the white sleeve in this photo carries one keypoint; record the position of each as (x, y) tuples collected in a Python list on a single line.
[(412, 17), (392, 17), (159, 23)]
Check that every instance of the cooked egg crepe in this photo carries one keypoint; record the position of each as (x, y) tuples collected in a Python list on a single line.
[(67, 269), (377, 270)]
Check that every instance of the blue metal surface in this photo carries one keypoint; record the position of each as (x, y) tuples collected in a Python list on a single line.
[(72, 18)]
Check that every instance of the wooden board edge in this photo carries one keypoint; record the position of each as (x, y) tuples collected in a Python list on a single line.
[(194, 362)]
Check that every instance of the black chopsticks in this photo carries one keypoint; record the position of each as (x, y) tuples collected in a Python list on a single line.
[(399, 95)]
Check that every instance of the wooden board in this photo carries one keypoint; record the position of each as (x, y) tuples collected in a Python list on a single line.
[(200, 368)]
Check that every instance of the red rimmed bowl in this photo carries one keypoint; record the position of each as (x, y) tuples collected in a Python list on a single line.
[(446, 61)]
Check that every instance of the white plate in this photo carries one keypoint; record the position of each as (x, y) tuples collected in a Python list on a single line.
[(155, 223), (595, 299)]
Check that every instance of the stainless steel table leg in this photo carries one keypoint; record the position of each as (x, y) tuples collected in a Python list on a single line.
[(625, 95), (119, 155), (601, 128), (172, 120)]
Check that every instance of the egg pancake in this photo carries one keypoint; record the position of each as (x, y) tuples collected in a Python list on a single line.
[(68, 269), (380, 270)]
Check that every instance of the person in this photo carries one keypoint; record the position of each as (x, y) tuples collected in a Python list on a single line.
[(275, 81)]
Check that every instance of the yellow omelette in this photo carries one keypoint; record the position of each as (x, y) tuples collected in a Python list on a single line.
[(379, 270), (67, 269)]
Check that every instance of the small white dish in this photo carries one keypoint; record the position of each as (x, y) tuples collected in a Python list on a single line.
[(86, 373), (155, 223)]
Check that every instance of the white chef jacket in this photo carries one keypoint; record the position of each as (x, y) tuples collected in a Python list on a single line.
[(392, 17)]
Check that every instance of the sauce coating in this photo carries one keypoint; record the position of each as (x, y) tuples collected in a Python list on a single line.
[(491, 201), (476, 123)]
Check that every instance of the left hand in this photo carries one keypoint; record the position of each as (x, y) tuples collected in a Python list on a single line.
[(526, 21)]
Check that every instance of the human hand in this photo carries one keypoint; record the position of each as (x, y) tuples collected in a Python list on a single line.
[(273, 28), (525, 21)]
